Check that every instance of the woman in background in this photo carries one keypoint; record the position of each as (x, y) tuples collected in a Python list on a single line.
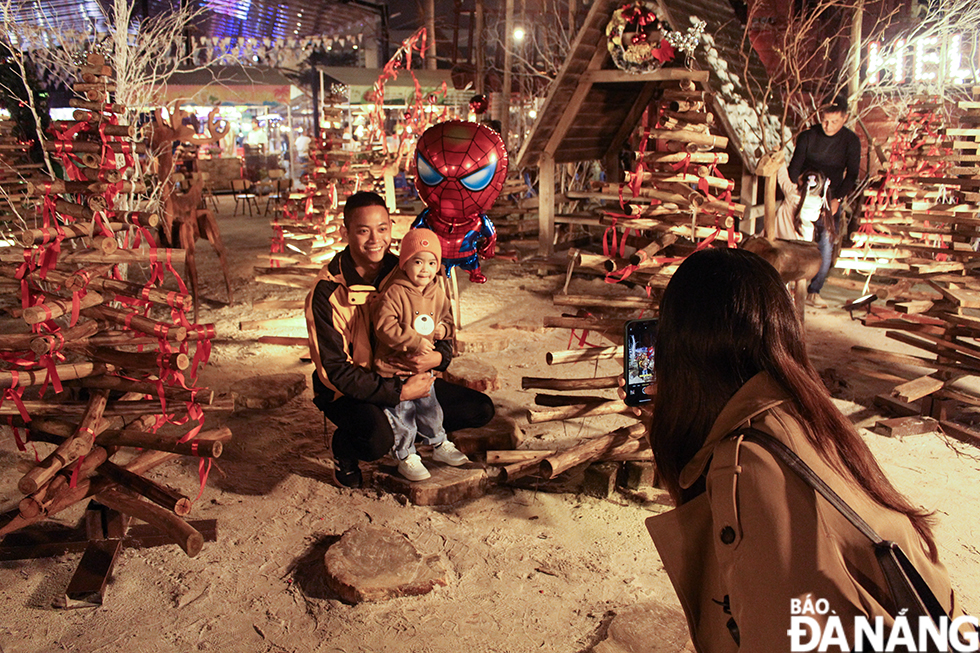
[(749, 536)]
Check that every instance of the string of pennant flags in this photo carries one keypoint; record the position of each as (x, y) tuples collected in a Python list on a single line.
[(277, 53)]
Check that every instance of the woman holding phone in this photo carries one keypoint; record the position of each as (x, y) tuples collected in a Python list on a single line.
[(749, 541)]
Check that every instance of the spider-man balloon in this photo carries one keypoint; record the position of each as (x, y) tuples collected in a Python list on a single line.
[(460, 169)]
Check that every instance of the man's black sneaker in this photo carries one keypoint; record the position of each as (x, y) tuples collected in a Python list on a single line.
[(348, 472)]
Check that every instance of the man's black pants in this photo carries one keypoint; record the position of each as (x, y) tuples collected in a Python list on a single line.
[(363, 431)]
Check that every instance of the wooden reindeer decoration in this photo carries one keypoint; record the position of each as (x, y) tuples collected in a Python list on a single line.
[(184, 215)]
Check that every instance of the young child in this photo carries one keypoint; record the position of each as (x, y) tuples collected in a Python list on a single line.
[(411, 313)]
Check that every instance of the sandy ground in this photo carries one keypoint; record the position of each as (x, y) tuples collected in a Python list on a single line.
[(529, 570)]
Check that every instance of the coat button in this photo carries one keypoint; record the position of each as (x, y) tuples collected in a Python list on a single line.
[(727, 535)]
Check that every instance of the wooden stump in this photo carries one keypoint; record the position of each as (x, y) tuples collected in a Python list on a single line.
[(376, 564), (473, 373), (649, 627), (267, 392), (448, 485), (501, 433)]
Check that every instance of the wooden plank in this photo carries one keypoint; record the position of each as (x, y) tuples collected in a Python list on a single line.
[(896, 406), (959, 296), (917, 388), (900, 427), (961, 433), (659, 75), (970, 362), (914, 306)]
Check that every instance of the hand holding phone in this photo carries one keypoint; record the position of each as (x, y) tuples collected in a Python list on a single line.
[(639, 344)]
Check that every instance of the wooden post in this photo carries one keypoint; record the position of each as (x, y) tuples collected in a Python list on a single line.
[(768, 167), (430, 28), (481, 61), (546, 204), (505, 92), (854, 56)]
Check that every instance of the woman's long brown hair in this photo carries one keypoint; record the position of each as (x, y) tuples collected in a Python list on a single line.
[(725, 317)]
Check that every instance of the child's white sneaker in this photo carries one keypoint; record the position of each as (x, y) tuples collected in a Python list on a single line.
[(413, 469), (448, 453)]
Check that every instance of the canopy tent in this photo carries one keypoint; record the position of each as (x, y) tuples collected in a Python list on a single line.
[(401, 90), (229, 86)]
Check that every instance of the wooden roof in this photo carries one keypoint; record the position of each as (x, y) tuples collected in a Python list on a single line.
[(722, 54), (592, 106)]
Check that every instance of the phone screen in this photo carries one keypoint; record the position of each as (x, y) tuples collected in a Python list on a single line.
[(638, 345)]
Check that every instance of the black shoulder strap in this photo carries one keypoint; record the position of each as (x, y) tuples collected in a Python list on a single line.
[(801, 469)]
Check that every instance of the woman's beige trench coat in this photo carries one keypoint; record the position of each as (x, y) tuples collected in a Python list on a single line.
[(759, 537)]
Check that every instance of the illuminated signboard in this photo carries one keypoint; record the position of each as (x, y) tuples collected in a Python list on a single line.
[(925, 60)]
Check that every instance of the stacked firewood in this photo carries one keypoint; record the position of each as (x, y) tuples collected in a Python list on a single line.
[(93, 363), (923, 221), (915, 220), (672, 201)]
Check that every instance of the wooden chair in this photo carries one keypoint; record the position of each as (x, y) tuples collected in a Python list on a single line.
[(280, 192), (243, 192)]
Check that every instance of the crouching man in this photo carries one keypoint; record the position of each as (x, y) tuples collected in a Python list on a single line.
[(345, 387)]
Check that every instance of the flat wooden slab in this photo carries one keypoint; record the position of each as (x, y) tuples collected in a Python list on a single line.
[(650, 627), (375, 564), (268, 391), (448, 485)]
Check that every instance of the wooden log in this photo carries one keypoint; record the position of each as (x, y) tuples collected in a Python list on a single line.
[(132, 320), (140, 361), (79, 444), (68, 371), (175, 528), (692, 117), (209, 444), (691, 157), (88, 126), (573, 412), (583, 354), (658, 178), (37, 503), (509, 456), (688, 136), (284, 341), (590, 449), (44, 235), (593, 383), (521, 468), (119, 384), (139, 218), (101, 107), (92, 147), (586, 323), (644, 257), (54, 186), (604, 301), (107, 175), (158, 494), (54, 306), (68, 496), (94, 279)]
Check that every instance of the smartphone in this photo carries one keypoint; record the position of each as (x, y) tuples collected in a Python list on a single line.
[(638, 346)]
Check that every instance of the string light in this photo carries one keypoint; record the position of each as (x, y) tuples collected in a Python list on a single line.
[(689, 40)]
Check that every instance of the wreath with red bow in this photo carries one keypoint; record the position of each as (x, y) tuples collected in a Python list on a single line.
[(637, 39)]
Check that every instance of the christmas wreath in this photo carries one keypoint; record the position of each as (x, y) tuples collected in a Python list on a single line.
[(637, 39)]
